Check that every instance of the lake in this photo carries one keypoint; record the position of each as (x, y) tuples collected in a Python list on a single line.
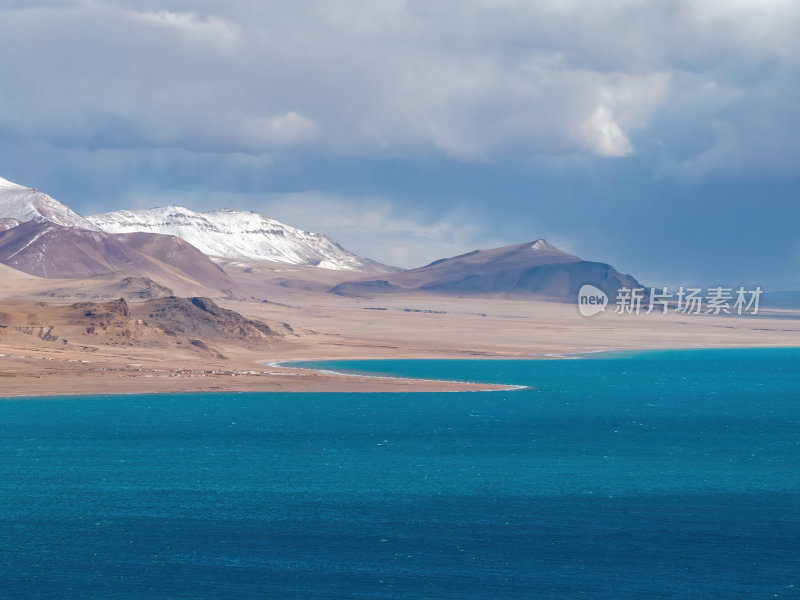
[(669, 474)]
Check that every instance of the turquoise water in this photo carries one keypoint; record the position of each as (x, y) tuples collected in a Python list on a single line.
[(651, 475)]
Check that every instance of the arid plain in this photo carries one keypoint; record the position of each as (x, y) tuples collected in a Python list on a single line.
[(76, 337)]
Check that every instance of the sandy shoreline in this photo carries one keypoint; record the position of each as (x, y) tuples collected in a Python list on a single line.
[(27, 379)]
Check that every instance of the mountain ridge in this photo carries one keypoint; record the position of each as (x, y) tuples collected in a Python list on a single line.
[(222, 233), (231, 234), (29, 204), (174, 245), (534, 268)]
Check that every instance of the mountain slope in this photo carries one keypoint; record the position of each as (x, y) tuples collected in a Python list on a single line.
[(180, 254), (10, 274), (53, 251), (27, 204), (533, 268), (50, 250), (237, 235)]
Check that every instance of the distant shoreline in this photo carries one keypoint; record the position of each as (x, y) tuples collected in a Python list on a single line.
[(282, 377), (182, 381)]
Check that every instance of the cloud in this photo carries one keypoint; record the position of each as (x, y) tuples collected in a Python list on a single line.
[(379, 229), (215, 31), (392, 79), (99, 75), (604, 136), (749, 133), (406, 79)]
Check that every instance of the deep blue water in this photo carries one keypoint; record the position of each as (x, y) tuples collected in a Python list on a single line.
[(652, 475)]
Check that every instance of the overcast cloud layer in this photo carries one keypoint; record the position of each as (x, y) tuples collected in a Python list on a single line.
[(661, 136)]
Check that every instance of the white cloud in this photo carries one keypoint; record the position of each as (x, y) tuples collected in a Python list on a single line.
[(604, 136), (378, 229)]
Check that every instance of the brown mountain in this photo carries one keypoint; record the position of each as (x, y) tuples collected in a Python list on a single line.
[(49, 250), (54, 251), (530, 269), (179, 254)]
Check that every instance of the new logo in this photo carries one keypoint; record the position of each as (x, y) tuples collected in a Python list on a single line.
[(591, 300)]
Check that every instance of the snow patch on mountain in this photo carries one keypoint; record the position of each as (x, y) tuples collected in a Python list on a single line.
[(27, 204), (6, 184), (237, 235)]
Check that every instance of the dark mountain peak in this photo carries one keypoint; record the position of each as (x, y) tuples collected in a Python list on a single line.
[(535, 268), (538, 251)]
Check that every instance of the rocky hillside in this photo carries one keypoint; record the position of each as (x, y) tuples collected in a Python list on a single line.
[(195, 324)]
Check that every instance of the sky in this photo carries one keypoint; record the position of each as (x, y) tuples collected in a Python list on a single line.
[(662, 137)]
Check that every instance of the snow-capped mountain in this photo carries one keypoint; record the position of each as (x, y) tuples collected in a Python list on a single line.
[(27, 204), (223, 234), (237, 235)]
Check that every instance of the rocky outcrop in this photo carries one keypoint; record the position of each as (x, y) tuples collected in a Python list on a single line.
[(103, 315), (203, 318), (198, 323)]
